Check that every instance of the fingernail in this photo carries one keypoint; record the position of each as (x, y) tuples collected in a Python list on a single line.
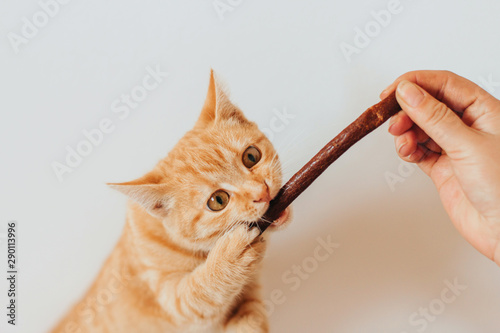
[(392, 121), (410, 93), (384, 92), (401, 148)]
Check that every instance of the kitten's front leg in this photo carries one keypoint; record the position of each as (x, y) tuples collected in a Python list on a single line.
[(208, 293), (250, 315)]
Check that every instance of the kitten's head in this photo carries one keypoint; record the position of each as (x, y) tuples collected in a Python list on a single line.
[(223, 172)]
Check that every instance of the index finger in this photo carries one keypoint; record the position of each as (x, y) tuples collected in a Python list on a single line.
[(458, 93)]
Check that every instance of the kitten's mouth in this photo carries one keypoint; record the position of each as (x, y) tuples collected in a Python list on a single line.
[(281, 220)]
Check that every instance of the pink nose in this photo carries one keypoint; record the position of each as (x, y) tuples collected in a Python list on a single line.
[(264, 195)]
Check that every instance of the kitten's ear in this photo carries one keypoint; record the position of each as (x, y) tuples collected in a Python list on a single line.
[(146, 191), (217, 105), (208, 112)]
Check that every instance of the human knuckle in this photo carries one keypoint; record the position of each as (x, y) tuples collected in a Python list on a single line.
[(438, 113), (447, 72)]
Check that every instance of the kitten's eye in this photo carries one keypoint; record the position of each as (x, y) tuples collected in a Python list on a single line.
[(251, 156), (218, 200)]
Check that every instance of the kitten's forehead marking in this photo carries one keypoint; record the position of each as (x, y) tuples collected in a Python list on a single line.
[(229, 187)]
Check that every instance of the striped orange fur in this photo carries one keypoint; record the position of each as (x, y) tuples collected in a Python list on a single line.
[(179, 266)]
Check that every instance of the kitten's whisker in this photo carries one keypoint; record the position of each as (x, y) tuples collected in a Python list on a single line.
[(266, 221)]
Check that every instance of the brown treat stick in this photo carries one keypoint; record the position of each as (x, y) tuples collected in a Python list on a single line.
[(367, 122)]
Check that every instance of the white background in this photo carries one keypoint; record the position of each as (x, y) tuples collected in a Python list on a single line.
[(397, 246)]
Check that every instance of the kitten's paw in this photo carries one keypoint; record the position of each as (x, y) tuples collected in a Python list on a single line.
[(283, 221), (250, 318), (242, 246)]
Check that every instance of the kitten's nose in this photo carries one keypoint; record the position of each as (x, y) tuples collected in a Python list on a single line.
[(264, 195)]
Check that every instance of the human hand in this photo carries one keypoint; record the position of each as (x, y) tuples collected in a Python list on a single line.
[(450, 128)]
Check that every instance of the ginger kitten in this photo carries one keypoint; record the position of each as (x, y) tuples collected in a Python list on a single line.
[(187, 260)]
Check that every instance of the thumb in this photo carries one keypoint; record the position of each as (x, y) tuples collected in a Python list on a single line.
[(434, 118)]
